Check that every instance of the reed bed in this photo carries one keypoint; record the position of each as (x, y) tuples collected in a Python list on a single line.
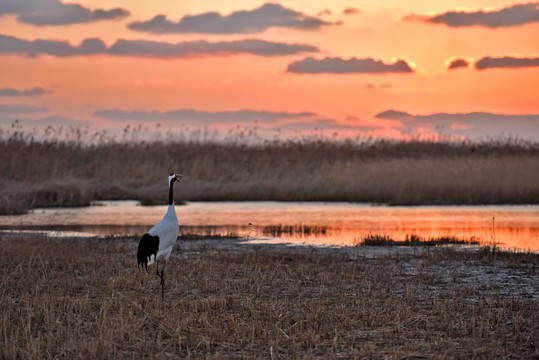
[(72, 172), (74, 299), (208, 232), (413, 240), (297, 230)]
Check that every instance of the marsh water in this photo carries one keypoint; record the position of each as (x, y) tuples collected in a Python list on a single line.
[(316, 223)]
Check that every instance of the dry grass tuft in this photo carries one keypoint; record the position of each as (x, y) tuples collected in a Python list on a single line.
[(413, 240), (86, 299)]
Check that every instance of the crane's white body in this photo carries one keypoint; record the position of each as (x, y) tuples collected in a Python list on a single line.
[(167, 231), (157, 244)]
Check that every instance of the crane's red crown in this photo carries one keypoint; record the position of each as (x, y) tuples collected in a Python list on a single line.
[(171, 174)]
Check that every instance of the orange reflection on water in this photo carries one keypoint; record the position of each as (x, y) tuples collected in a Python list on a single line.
[(508, 226), (517, 238)]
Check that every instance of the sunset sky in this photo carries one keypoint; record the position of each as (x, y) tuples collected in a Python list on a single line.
[(369, 68)]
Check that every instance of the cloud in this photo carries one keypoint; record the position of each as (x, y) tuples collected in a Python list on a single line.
[(54, 12), (145, 48), (185, 49), (13, 110), (37, 91), (19, 7), (52, 120), (322, 124), (515, 15), (505, 62), (200, 117), (473, 124), (458, 63), (12, 45), (329, 65), (393, 114), (267, 120), (488, 62), (351, 10), (326, 11), (239, 22)]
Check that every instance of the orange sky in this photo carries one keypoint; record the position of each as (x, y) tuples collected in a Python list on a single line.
[(83, 88)]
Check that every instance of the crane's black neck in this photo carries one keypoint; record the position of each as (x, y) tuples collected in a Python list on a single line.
[(171, 193)]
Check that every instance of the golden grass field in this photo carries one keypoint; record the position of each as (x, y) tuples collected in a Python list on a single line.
[(87, 299), (73, 172)]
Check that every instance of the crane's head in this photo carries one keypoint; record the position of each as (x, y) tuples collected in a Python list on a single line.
[(174, 177)]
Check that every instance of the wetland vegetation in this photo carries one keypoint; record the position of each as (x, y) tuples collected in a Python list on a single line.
[(79, 167), (413, 240)]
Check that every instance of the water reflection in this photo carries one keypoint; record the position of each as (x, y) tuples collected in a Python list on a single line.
[(322, 223)]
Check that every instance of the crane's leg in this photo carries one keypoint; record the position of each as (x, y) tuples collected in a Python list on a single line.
[(163, 268), (163, 279), (162, 276)]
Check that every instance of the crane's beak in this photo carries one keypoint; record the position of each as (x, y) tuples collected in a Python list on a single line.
[(179, 178)]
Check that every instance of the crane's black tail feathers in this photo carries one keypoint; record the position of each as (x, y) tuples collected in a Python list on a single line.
[(148, 246)]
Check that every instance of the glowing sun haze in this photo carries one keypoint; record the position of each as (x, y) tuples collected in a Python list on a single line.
[(384, 68)]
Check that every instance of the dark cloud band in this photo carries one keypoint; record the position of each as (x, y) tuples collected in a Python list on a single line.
[(144, 48), (458, 63), (200, 117), (474, 124), (393, 114), (20, 109), (329, 65), (515, 15), (280, 121), (192, 48), (239, 22), (323, 124), (54, 12), (488, 62), (506, 62), (37, 91)]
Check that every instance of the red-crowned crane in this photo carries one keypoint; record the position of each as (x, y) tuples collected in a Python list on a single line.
[(157, 244)]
